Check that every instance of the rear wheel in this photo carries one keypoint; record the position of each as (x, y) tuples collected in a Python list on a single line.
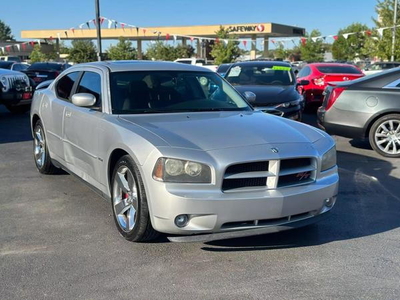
[(129, 202), (19, 109), (40, 151), (384, 135)]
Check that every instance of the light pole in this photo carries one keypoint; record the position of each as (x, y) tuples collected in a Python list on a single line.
[(99, 29), (394, 29)]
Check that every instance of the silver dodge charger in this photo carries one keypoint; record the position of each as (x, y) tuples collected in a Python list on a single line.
[(178, 150)]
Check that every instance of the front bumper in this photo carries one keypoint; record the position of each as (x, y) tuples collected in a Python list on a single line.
[(257, 230), (245, 213)]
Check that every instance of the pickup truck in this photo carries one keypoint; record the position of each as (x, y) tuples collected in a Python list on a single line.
[(197, 62), (15, 91)]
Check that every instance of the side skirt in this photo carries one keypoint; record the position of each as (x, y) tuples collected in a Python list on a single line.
[(93, 188)]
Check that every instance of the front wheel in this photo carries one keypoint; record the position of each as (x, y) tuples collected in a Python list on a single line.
[(384, 135), (129, 202)]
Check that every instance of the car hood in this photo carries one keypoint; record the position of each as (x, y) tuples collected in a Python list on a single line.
[(217, 130), (270, 95), (10, 72)]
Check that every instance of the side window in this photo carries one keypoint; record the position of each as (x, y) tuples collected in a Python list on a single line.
[(91, 84), (304, 72), (65, 85)]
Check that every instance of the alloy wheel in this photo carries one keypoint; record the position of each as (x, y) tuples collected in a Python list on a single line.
[(40, 146), (125, 198), (387, 137)]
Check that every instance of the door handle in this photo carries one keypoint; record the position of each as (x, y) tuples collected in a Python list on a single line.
[(68, 114)]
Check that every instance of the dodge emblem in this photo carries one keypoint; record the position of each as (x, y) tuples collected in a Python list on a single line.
[(275, 150)]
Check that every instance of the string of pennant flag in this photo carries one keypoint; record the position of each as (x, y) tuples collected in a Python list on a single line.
[(111, 23)]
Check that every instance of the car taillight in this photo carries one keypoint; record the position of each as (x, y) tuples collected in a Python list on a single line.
[(334, 94), (56, 73), (319, 81), (26, 96)]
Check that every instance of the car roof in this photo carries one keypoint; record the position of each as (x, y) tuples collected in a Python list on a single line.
[(143, 65), (262, 63)]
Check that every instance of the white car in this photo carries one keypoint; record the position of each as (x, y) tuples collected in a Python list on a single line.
[(379, 67)]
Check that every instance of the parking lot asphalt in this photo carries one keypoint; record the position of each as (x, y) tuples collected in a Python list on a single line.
[(58, 240)]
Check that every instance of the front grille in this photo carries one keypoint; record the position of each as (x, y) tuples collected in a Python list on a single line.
[(229, 184), (270, 174), (15, 83), (247, 167)]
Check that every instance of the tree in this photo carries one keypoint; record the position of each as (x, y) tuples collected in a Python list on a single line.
[(280, 51), (64, 49), (82, 51), (184, 51), (354, 46), (5, 32), (37, 55), (161, 51), (312, 51), (225, 52), (122, 51), (385, 11)]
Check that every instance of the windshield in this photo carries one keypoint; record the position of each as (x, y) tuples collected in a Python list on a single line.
[(223, 68), (261, 75), (172, 91)]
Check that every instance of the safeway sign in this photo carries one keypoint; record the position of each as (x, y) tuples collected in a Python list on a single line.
[(247, 28)]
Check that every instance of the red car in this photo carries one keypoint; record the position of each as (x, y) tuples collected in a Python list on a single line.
[(318, 75)]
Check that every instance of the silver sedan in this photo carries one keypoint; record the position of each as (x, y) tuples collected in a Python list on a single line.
[(177, 150)]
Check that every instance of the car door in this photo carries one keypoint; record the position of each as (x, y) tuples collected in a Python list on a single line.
[(82, 129), (52, 112)]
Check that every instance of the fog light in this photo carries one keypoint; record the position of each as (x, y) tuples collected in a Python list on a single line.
[(329, 202), (181, 220)]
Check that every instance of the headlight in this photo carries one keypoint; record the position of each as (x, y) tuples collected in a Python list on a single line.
[(4, 81), (289, 104), (329, 159), (177, 170)]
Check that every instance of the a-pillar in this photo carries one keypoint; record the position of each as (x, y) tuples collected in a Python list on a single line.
[(266, 46), (139, 49), (253, 51)]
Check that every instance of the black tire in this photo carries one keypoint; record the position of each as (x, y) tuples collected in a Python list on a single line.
[(142, 229), (377, 132), (19, 109), (45, 166)]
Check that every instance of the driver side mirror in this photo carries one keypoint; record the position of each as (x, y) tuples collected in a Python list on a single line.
[(304, 82), (83, 99), (250, 96)]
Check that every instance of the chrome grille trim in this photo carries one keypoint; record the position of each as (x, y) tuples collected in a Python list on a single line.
[(279, 174)]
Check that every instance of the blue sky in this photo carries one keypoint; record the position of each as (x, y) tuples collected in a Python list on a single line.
[(325, 15)]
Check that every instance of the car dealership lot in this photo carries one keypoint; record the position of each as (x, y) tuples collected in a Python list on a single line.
[(58, 240)]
